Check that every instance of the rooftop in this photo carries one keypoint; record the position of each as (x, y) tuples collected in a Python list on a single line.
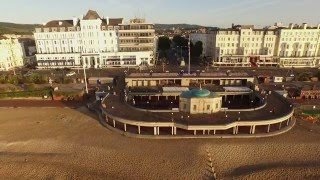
[(198, 93), (59, 23), (91, 15), (3, 37), (198, 74)]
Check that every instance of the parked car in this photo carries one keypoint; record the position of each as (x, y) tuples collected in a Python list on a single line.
[(71, 74)]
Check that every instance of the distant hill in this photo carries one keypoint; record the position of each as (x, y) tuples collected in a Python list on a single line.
[(180, 26), (12, 28)]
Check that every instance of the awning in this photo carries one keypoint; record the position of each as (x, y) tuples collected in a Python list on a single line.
[(175, 89), (237, 89)]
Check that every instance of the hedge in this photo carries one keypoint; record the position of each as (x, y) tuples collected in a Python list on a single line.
[(36, 93)]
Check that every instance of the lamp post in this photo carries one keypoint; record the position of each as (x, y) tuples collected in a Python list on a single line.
[(189, 54), (84, 70), (172, 117), (85, 78)]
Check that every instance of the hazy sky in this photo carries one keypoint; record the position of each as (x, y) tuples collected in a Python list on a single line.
[(203, 12)]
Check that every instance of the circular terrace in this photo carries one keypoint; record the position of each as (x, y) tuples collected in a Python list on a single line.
[(274, 116)]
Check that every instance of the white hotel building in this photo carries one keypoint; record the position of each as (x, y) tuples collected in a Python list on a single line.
[(245, 46), (12, 53), (95, 42)]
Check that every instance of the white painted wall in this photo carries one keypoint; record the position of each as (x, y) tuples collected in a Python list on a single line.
[(12, 54)]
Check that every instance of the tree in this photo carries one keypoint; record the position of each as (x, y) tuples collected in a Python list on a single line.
[(164, 43), (303, 76), (204, 61), (163, 63), (162, 54), (197, 49), (318, 75), (179, 41)]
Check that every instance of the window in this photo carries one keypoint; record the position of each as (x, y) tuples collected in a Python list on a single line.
[(184, 106), (217, 105), (194, 107), (208, 107)]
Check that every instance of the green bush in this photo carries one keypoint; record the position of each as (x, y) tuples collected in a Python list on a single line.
[(63, 80), (67, 80), (36, 93), (15, 79), (304, 77), (3, 79), (65, 93), (36, 79), (31, 87)]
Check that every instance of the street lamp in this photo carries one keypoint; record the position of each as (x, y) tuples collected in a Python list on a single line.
[(85, 79)]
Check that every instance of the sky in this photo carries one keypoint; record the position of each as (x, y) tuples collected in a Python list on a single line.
[(221, 13)]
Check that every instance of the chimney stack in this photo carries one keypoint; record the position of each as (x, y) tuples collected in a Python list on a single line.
[(304, 25), (107, 19), (75, 21), (291, 26)]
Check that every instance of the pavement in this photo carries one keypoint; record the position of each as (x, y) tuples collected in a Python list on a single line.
[(19, 103)]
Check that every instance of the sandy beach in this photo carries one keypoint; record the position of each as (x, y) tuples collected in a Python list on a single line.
[(62, 143)]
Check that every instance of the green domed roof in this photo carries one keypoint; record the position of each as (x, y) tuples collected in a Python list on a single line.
[(200, 92), (196, 93)]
